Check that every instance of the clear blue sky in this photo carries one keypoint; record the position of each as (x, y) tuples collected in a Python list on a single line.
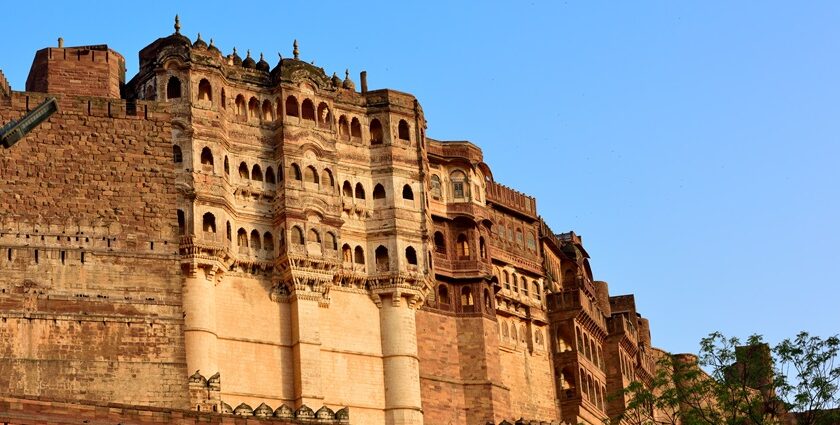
[(694, 146)]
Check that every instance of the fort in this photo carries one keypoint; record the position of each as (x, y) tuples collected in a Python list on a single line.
[(220, 239)]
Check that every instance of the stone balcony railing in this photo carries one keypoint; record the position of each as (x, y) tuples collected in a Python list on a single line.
[(576, 299)]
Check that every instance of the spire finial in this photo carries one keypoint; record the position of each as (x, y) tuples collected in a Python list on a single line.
[(347, 73), (177, 25), (248, 53), (199, 36), (296, 50), (234, 50), (261, 56)]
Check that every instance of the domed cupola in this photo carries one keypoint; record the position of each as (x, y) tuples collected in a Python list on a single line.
[(199, 43), (235, 57), (249, 61), (212, 47), (348, 83), (262, 65)]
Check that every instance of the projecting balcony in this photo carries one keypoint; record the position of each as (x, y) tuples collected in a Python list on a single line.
[(460, 268), (576, 300)]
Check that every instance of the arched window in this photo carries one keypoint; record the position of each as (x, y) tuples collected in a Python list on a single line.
[(378, 192), (269, 175), (223, 99), (346, 253), (347, 189), (537, 290), (506, 279), (375, 132), (408, 193), (402, 131), (488, 302), (524, 286), (256, 173), (254, 108), (440, 243), (355, 128), (514, 280), (460, 185), (436, 187), (343, 128), (267, 111), (307, 110), (313, 236), (466, 296), (383, 262), (177, 155), (292, 107), (243, 171), (328, 179), (463, 245), (443, 294), (513, 335), (530, 242), (268, 242), (173, 88), (411, 256), (228, 230), (207, 158), (242, 238), (208, 222), (204, 90), (324, 115), (482, 249), (332, 241), (227, 165), (359, 255), (360, 191), (255, 239), (241, 107), (310, 175), (182, 223), (296, 172), (297, 235), (519, 237)]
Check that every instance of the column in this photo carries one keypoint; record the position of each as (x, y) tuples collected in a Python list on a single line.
[(200, 323), (306, 349), (401, 366)]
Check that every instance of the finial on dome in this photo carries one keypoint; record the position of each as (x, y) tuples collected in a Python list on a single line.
[(261, 56), (211, 42), (248, 53), (199, 37), (347, 73), (60, 42), (234, 50), (296, 50), (177, 25)]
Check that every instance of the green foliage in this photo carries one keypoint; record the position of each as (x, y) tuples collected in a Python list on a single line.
[(732, 382)]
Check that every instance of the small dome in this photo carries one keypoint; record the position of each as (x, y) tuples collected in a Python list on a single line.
[(243, 410), (212, 47), (249, 61), (262, 65), (263, 411), (198, 378), (236, 59), (284, 412), (199, 43), (304, 413), (336, 82), (324, 413), (226, 408), (348, 83)]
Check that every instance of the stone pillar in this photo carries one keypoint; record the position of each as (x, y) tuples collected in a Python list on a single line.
[(200, 323), (401, 365), (306, 348)]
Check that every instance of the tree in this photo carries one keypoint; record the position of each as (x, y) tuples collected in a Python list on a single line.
[(735, 383)]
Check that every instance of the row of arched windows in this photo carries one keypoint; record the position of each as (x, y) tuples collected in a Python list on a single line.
[(306, 110), (312, 236), (466, 301), (254, 242), (357, 256), (589, 347), (520, 284), (508, 234), (462, 245), (509, 333), (311, 175), (592, 389), (378, 191), (459, 186), (255, 173)]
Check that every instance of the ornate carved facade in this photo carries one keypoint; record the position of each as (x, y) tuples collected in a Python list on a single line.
[(227, 236)]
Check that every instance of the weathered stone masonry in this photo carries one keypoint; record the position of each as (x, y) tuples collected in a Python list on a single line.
[(221, 236)]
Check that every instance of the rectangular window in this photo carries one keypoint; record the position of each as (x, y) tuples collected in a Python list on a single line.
[(458, 189)]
